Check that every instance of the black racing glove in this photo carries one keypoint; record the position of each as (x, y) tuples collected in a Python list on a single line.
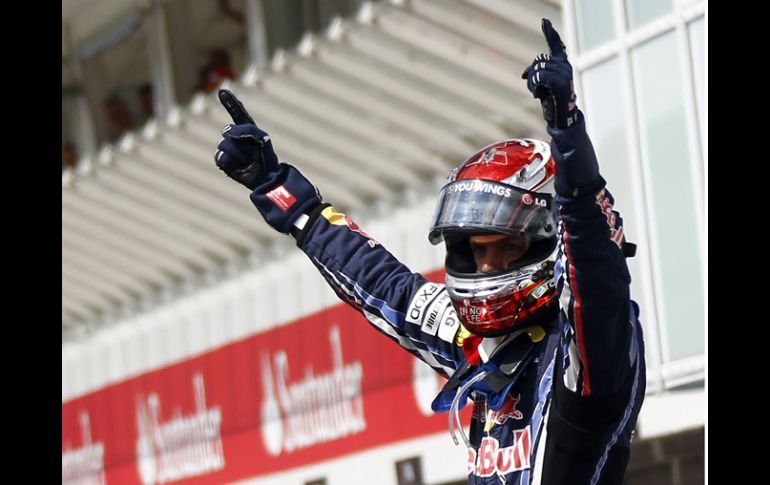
[(549, 79), (245, 153), (244, 150)]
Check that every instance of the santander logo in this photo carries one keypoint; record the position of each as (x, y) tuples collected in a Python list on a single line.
[(183, 446), (315, 409), (84, 465)]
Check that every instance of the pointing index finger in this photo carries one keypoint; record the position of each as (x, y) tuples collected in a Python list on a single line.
[(555, 44), (235, 108)]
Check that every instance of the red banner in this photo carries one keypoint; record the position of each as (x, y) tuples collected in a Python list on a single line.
[(320, 387)]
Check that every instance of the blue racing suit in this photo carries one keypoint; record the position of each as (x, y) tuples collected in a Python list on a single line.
[(567, 415)]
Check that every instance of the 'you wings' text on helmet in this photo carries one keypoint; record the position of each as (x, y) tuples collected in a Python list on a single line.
[(505, 188)]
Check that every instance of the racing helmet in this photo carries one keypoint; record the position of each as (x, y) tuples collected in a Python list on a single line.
[(505, 188)]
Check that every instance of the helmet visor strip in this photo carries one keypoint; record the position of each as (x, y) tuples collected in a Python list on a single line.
[(492, 206)]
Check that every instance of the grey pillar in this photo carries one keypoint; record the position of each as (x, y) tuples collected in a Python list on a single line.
[(159, 54), (257, 34), (80, 118)]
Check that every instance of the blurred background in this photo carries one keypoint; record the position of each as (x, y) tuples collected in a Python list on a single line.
[(200, 347)]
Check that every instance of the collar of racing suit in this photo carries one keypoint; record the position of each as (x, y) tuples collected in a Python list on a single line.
[(492, 366)]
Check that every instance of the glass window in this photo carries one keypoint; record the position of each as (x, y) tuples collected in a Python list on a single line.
[(663, 141), (606, 117), (603, 105), (594, 23), (698, 69), (640, 12)]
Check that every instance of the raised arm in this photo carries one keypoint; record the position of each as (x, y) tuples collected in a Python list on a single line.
[(411, 311), (593, 275)]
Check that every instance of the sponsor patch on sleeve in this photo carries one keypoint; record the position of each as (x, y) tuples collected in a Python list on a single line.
[(421, 301), (449, 325), (340, 219), (431, 309), (435, 313)]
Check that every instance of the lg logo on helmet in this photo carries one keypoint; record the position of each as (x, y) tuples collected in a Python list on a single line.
[(528, 199)]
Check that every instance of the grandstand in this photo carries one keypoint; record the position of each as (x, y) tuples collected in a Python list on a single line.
[(199, 346)]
